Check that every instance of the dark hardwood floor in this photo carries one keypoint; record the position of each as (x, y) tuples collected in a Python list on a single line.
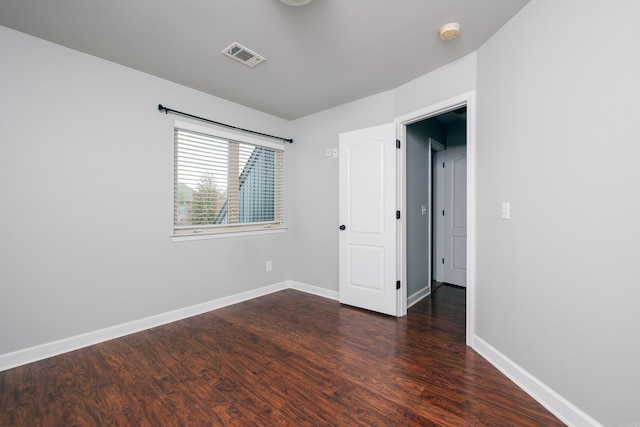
[(286, 359)]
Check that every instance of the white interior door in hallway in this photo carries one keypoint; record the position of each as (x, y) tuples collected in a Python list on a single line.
[(452, 187)]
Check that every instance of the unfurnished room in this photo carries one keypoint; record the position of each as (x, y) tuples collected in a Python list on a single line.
[(319, 212)]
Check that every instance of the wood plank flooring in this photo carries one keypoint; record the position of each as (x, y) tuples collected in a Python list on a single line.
[(285, 359)]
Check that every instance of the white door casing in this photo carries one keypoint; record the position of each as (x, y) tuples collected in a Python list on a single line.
[(466, 99), (367, 210), (429, 213), (437, 220)]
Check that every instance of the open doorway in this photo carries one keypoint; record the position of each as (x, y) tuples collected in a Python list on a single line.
[(374, 156), (436, 203), (449, 220)]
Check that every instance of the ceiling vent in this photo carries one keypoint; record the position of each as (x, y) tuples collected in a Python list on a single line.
[(242, 54), (296, 2)]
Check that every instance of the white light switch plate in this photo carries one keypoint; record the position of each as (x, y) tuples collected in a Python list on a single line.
[(331, 153), (505, 210)]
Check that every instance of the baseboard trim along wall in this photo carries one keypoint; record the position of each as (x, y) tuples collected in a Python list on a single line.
[(310, 289), (556, 404), (43, 351), (416, 297), (547, 397)]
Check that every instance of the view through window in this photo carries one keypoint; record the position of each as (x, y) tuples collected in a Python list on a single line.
[(223, 184)]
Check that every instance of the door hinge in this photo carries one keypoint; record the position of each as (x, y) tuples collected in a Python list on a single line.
[(398, 284), (443, 260), (442, 212), (442, 165), (397, 214), (397, 143)]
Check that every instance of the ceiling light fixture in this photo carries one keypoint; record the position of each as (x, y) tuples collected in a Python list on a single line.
[(296, 2), (449, 31)]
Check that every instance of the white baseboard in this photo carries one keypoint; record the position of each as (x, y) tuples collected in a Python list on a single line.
[(310, 289), (567, 412), (556, 404), (43, 351), (417, 296)]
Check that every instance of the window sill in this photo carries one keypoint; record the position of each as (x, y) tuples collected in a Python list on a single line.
[(223, 235)]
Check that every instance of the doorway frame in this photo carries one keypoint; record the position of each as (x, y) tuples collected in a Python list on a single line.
[(466, 99)]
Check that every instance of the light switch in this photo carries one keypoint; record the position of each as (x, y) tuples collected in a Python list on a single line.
[(331, 153), (505, 210)]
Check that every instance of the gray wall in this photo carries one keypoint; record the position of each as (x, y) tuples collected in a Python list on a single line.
[(314, 232), (314, 226), (418, 170), (86, 178), (558, 284), (451, 80)]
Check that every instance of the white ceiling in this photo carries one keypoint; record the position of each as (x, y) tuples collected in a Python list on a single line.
[(318, 56)]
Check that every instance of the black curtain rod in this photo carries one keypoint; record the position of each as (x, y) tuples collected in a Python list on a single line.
[(169, 110)]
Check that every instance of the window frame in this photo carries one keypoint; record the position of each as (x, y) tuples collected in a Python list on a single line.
[(234, 230)]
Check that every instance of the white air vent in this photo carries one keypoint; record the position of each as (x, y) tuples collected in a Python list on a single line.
[(242, 54), (296, 2)]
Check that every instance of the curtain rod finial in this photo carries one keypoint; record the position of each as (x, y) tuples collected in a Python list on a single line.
[(161, 108)]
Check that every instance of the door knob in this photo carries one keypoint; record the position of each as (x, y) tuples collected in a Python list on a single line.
[(343, 227)]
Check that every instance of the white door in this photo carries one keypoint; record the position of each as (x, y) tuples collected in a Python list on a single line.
[(455, 215), (367, 215)]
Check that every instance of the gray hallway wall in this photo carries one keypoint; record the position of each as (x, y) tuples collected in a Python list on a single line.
[(558, 285)]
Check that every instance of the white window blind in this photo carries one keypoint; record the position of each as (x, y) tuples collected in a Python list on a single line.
[(225, 182)]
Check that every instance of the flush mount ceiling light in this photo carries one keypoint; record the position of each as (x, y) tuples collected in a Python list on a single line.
[(296, 2), (449, 31)]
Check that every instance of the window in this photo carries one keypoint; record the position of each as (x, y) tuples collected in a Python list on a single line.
[(225, 182)]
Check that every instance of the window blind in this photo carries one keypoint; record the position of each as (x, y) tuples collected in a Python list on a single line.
[(223, 184)]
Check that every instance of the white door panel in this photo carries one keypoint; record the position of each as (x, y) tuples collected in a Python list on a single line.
[(367, 206), (366, 200), (455, 217), (372, 277)]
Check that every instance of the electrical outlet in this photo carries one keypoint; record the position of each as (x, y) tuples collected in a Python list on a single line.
[(269, 265)]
